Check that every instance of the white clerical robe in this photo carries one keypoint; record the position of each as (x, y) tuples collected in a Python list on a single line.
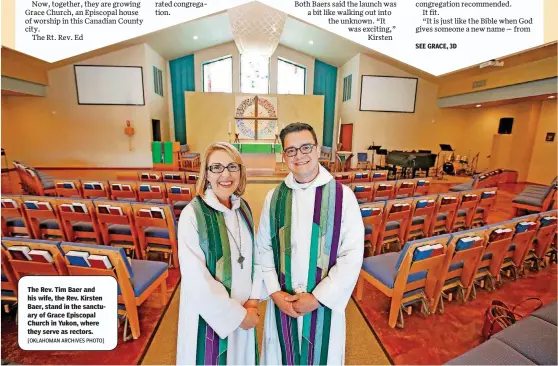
[(335, 290), (201, 295)]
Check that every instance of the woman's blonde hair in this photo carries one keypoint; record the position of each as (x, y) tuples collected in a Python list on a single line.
[(234, 154)]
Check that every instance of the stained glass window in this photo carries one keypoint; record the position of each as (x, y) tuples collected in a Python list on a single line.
[(254, 74)]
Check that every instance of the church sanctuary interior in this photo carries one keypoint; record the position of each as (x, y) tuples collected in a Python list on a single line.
[(455, 175)]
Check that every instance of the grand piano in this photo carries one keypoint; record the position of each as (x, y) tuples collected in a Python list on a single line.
[(414, 160)]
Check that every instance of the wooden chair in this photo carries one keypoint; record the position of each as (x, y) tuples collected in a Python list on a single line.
[(343, 177), (68, 188), (535, 201), (9, 282), (22, 175), (422, 213), (150, 176), (397, 214), (137, 279), (179, 195), (14, 219), (156, 228), (363, 192), (152, 192), (43, 217), (79, 220), (372, 217), (361, 177), (31, 266), (546, 235), (325, 157), (38, 183), (486, 202), (378, 175), (188, 158), (499, 238), (447, 207), (383, 191), (406, 277), (466, 210), (95, 189), (192, 178), (526, 229), (122, 190), (174, 177), (462, 260), (405, 188), (362, 161), (116, 222), (422, 187)]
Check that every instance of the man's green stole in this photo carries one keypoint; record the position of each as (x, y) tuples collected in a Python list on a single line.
[(326, 225), (214, 241)]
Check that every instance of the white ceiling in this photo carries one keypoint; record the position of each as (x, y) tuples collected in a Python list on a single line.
[(177, 41)]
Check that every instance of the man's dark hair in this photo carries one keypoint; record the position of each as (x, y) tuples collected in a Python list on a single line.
[(296, 127)]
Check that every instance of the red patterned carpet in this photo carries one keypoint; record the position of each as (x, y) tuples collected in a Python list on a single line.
[(439, 338), (128, 353)]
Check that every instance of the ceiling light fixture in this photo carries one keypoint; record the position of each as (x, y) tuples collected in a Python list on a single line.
[(256, 28), (311, 41), (551, 97), (195, 37), (479, 105)]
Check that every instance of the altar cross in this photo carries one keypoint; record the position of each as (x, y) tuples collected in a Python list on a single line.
[(256, 118)]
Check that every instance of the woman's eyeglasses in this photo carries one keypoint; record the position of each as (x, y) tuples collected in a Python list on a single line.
[(305, 149), (219, 168)]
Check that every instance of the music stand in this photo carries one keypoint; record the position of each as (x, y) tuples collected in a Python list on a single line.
[(443, 147), (373, 148)]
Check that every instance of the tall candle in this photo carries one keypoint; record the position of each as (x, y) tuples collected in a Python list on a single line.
[(339, 133)]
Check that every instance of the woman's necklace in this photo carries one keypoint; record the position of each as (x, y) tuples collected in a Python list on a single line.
[(239, 247)]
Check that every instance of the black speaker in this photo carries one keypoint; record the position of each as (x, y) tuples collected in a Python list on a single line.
[(505, 127)]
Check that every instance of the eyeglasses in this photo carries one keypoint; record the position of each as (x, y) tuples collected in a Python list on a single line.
[(305, 149), (219, 168)]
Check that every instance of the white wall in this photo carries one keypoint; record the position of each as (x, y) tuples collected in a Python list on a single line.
[(55, 131), (347, 111), (157, 104)]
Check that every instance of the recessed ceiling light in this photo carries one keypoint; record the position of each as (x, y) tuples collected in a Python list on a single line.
[(195, 37), (311, 41), (479, 105), (551, 97)]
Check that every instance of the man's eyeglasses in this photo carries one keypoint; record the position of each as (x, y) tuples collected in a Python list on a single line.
[(219, 168), (305, 149)]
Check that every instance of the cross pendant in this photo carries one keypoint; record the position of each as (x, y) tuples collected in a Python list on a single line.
[(241, 261)]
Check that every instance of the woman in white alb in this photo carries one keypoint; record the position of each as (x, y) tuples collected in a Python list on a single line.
[(218, 304)]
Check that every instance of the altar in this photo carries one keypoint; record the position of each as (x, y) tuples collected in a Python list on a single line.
[(259, 158)]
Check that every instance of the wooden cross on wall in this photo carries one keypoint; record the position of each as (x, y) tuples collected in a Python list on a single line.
[(256, 119)]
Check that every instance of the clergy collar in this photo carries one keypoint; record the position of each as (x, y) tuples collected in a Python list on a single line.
[(212, 200), (323, 177)]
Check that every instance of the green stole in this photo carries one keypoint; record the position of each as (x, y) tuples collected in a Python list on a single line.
[(214, 241), (324, 245)]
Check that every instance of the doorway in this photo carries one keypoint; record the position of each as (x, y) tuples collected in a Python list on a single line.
[(156, 127), (347, 137)]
